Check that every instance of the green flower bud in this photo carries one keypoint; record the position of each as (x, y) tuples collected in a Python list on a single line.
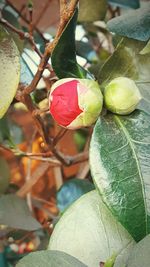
[(121, 96)]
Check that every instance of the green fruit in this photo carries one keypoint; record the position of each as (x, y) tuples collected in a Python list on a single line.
[(121, 96)]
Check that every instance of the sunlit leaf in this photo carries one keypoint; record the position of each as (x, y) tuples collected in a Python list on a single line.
[(140, 254), (9, 70), (50, 259), (89, 232)]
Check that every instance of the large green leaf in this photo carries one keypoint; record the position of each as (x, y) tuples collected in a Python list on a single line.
[(15, 213), (125, 3), (90, 11), (9, 70), (49, 259), (140, 255), (134, 24), (127, 61), (89, 232), (4, 175), (64, 54), (120, 165)]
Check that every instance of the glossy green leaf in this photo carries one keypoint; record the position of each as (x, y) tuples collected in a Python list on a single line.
[(140, 254), (71, 191), (126, 3), (120, 163), (89, 232), (9, 70), (4, 175), (15, 213), (64, 54), (90, 11), (127, 61), (134, 24), (49, 259)]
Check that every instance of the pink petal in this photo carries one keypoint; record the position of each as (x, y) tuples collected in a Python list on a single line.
[(64, 103)]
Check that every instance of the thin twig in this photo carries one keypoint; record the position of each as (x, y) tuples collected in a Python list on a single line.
[(22, 35), (41, 169), (19, 12), (64, 18)]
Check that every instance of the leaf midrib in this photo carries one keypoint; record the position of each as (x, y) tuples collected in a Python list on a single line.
[(129, 139)]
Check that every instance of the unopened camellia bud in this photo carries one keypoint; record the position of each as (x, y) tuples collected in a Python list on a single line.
[(121, 96), (75, 103)]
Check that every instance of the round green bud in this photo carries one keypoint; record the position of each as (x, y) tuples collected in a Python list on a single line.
[(121, 96)]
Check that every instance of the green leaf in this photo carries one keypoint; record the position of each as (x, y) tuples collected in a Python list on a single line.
[(89, 232), (71, 191), (140, 254), (127, 61), (9, 70), (49, 259), (4, 175), (126, 3), (134, 24), (90, 11), (64, 54), (120, 160), (15, 213)]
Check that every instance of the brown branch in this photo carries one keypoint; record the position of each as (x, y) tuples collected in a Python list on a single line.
[(57, 138), (64, 18), (22, 35), (19, 12), (70, 160), (41, 169)]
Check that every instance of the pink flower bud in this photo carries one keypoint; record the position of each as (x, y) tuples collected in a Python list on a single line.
[(75, 103)]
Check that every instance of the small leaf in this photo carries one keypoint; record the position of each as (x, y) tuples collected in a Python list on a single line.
[(140, 254), (9, 70), (64, 54), (89, 232), (4, 175), (14, 213), (120, 160), (49, 259), (90, 11), (134, 24), (71, 191), (126, 3)]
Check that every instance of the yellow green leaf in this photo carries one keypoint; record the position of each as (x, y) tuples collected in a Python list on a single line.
[(9, 70)]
